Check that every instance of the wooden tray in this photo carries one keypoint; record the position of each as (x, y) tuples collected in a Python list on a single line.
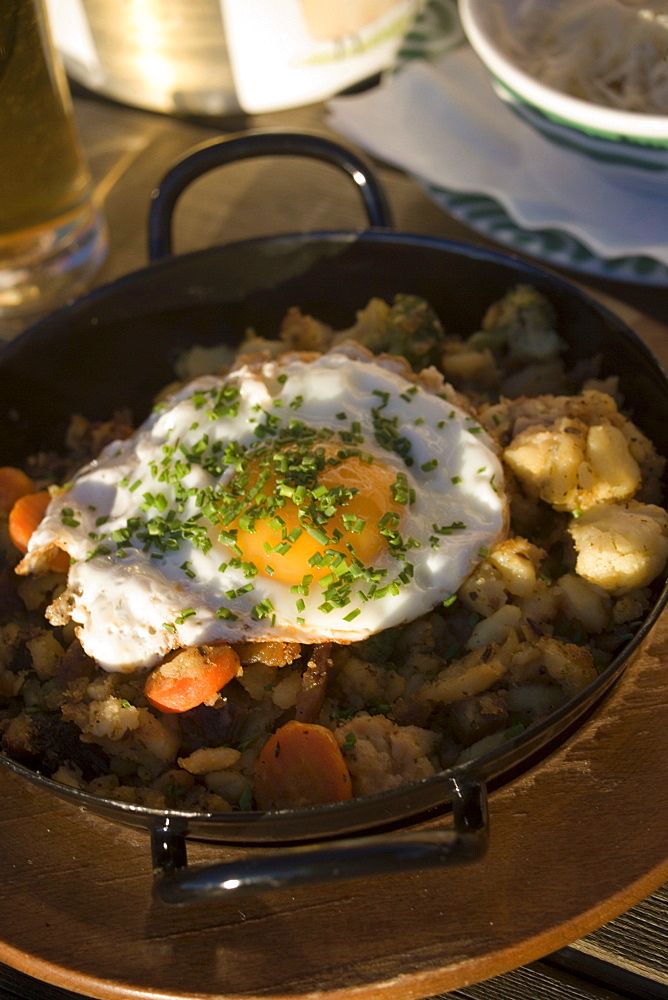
[(574, 843)]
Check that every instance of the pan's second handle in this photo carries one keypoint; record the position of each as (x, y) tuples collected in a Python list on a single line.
[(289, 868), (242, 146)]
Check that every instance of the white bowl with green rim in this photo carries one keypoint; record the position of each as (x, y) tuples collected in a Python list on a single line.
[(627, 147)]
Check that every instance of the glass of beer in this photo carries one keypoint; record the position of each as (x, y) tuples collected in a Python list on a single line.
[(52, 233)]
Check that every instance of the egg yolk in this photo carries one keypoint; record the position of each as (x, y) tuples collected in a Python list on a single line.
[(286, 545)]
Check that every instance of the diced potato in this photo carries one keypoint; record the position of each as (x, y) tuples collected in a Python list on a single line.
[(11, 683), (612, 473), (500, 629), (651, 464), (525, 663), (517, 561), (111, 718), (230, 785), (571, 666), (160, 736), (542, 605), (568, 665), (104, 784), (46, 653), (547, 460), (68, 774), (471, 675), (286, 689), (630, 607), (535, 699), (175, 781), (585, 602), (483, 590), (208, 759), (461, 362), (621, 547)]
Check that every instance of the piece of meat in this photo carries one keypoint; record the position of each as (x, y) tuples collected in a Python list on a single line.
[(474, 718), (44, 742), (75, 663), (213, 725), (314, 683), (411, 712)]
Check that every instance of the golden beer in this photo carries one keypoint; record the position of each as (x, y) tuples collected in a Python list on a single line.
[(51, 234)]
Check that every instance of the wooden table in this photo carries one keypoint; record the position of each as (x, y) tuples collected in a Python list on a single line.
[(129, 150)]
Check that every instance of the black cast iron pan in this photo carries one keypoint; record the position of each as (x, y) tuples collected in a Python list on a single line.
[(116, 347)]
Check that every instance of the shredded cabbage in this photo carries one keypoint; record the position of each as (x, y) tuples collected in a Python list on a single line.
[(602, 51)]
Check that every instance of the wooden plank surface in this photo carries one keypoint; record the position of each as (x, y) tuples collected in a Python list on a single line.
[(533, 982), (639, 938)]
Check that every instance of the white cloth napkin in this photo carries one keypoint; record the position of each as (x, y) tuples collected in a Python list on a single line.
[(442, 123)]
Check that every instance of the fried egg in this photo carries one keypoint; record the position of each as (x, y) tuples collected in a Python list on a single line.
[(305, 498)]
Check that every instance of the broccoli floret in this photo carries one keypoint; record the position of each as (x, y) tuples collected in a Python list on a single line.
[(520, 326), (414, 331), (409, 328)]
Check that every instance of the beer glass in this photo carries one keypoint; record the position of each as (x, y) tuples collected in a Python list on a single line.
[(52, 234)]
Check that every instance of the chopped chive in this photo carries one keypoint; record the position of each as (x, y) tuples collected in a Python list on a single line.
[(186, 613)]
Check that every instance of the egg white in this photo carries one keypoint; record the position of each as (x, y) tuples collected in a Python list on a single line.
[(134, 598)]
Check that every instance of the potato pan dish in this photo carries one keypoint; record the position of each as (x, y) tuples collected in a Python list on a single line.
[(392, 605)]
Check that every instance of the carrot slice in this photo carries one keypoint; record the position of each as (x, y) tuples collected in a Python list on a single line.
[(300, 765), (191, 677), (14, 484), (24, 517)]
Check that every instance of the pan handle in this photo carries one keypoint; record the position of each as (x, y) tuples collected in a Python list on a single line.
[(245, 145), (382, 854)]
